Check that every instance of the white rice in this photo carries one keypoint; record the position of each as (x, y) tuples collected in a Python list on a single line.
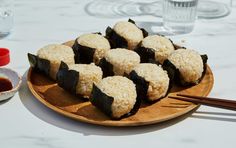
[(189, 63), (122, 90), (96, 41), (56, 53), (130, 32), (157, 78), (123, 60), (162, 46), (88, 74)]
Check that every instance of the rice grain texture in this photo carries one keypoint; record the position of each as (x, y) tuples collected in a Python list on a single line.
[(157, 78), (130, 32), (88, 74), (96, 41), (122, 90), (56, 53), (189, 63), (162, 46), (123, 60)]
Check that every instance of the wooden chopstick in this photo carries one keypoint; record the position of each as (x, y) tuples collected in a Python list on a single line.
[(208, 98), (214, 102)]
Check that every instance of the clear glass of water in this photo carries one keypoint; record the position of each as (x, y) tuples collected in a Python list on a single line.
[(6, 17), (179, 15), (210, 9)]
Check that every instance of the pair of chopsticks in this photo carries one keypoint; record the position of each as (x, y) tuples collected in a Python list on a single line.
[(214, 102)]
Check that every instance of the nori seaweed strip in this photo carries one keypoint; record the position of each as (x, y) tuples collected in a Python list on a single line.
[(172, 71), (153, 61), (67, 79), (39, 64), (204, 60), (97, 33), (126, 75), (145, 53), (175, 76), (43, 65), (115, 39), (104, 102), (106, 67), (141, 85), (169, 73), (145, 33), (32, 60), (142, 88), (83, 54), (177, 46), (131, 21), (101, 101)]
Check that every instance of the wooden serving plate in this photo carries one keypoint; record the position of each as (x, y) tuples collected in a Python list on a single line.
[(57, 99)]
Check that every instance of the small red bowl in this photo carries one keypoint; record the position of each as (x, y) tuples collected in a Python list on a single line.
[(4, 56)]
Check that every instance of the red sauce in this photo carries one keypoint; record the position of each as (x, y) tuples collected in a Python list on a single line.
[(5, 84)]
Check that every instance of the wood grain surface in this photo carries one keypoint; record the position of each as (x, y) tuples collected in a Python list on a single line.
[(57, 99)]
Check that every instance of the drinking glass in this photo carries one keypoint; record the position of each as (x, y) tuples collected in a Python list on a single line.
[(179, 15), (214, 8), (6, 17)]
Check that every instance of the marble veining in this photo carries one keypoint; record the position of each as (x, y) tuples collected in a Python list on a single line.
[(25, 122)]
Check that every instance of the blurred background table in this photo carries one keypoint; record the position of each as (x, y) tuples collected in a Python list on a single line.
[(25, 122)]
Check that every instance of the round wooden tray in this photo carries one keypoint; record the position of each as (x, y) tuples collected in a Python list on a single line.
[(57, 99)]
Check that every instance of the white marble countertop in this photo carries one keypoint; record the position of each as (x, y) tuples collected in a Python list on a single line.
[(25, 122)]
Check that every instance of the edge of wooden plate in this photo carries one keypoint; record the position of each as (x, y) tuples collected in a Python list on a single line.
[(114, 122), (111, 122)]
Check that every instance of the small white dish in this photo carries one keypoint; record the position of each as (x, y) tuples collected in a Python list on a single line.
[(15, 79)]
